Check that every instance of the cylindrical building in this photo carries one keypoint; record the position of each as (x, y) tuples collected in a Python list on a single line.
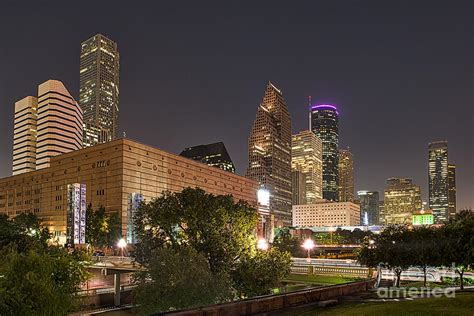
[(325, 124)]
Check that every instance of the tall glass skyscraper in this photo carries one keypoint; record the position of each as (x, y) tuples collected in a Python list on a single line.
[(324, 122), (270, 154), (346, 175), (438, 180), (99, 89), (369, 207)]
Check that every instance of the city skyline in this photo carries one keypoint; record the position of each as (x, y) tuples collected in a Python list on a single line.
[(372, 168)]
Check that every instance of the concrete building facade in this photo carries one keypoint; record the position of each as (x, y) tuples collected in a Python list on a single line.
[(326, 213), (116, 175), (402, 199), (24, 135)]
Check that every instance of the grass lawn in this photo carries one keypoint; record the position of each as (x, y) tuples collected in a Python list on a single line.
[(319, 279), (462, 304)]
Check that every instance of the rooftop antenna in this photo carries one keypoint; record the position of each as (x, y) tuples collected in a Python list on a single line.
[(309, 112)]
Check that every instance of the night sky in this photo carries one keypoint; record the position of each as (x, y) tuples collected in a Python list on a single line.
[(194, 72)]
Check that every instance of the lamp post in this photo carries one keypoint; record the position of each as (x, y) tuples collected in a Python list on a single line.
[(121, 244), (262, 244), (308, 245)]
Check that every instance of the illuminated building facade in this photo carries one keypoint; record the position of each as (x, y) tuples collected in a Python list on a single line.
[(117, 175), (438, 180), (298, 187), (423, 218), (326, 213), (369, 207), (214, 155), (306, 157), (270, 154), (452, 190), (402, 200), (99, 89), (24, 135), (324, 121), (59, 125), (346, 176), (45, 126)]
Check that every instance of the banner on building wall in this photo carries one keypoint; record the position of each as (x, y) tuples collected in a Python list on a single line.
[(134, 200), (76, 214)]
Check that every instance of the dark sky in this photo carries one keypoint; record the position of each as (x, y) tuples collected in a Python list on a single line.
[(193, 72)]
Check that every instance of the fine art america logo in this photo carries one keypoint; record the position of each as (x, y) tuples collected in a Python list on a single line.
[(432, 274)]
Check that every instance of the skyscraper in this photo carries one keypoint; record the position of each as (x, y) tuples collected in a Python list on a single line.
[(402, 200), (214, 155), (59, 125), (369, 207), (452, 189), (324, 121), (346, 176), (99, 89), (45, 126), (24, 135), (438, 180), (270, 154), (306, 157)]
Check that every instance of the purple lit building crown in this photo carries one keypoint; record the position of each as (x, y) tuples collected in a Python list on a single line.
[(324, 106)]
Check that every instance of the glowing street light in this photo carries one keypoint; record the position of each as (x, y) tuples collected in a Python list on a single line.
[(122, 244), (308, 245), (262, 244)]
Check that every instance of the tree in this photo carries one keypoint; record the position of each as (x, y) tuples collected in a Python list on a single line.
[(457, 242), (390, 248), (424, 243), (178, 278), (24, 232), (285, 242), (102, 229), (39, 281), (258, 274), (215, 226)]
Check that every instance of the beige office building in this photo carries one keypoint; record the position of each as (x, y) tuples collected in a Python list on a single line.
[(306, 157), (402, 199), (117, 175), (24, 135), (346, 175), (59, 125), (326, 213)]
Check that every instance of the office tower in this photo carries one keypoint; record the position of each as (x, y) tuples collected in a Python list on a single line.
[(369, 207), (24, 136), (59, 124), (326, 213), (382, 212), (270, 154), (452, 190), (298, 186), (99, 89), (346, 176), (306, 157), (438, 180), (325, 124), (402, 199), (214, 155)]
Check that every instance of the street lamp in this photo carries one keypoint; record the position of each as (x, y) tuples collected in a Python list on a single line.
[(262, 244), (122, 244), (308, 245)]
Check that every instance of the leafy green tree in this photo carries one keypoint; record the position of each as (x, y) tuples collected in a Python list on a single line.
[(457, 243), (178, 278), (102, 229), (215, 226), (258, 274), (24, 232), (39, 281), (285, 242)]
